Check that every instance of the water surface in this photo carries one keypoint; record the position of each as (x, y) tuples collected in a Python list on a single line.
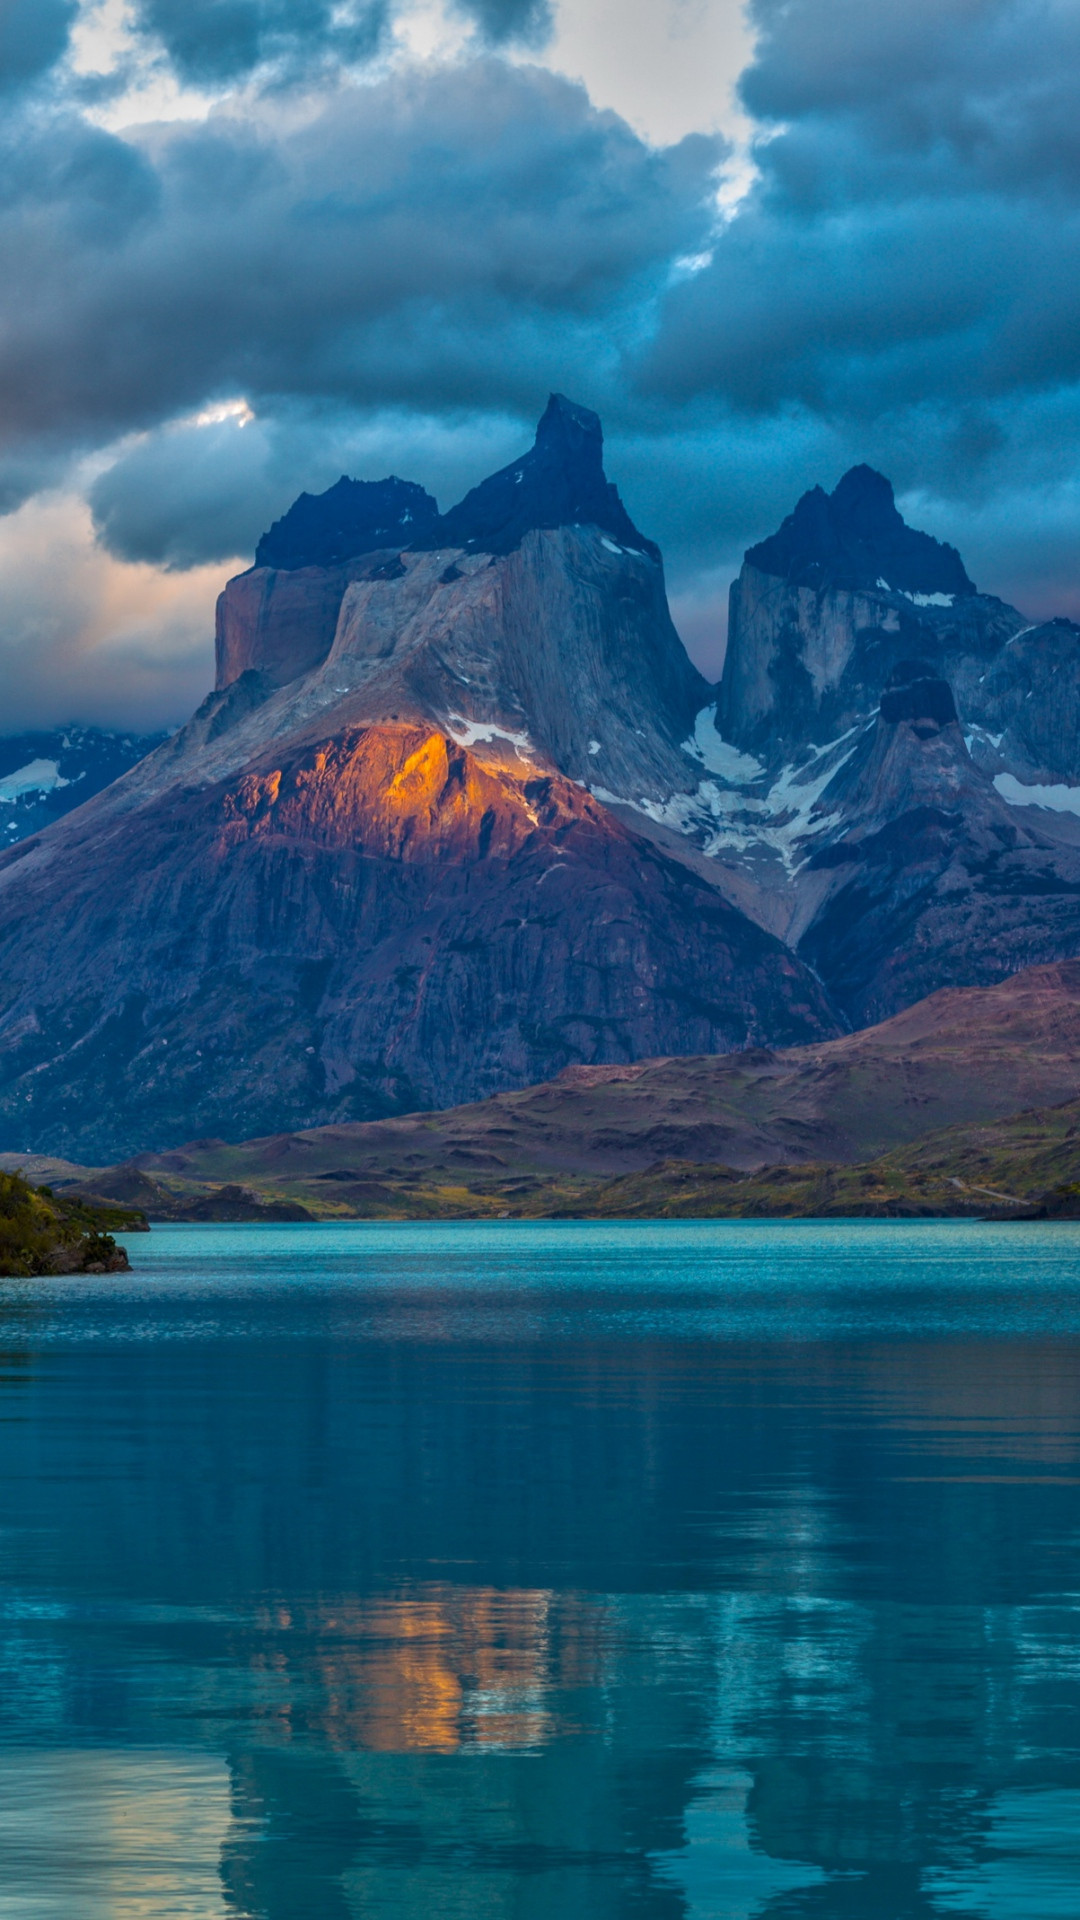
[(665, 1571)]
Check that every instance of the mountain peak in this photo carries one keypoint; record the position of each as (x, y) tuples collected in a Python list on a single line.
[(350, 518), (572, 434), (855, 537), (560, 482)]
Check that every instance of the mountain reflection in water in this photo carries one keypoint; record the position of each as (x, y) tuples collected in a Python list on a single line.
[(676, 1572)]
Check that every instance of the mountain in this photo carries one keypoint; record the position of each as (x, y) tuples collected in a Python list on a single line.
[(824, 610), (893, 768), (460, 813), (560, 482), (924, 875), (45, 775), (369, 874)]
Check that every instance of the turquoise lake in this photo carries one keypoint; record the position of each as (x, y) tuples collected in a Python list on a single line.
[(622, 1571)]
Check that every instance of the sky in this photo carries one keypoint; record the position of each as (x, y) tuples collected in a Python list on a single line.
[(248, 245)]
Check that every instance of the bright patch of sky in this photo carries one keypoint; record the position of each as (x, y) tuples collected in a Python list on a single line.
[(103, 43)]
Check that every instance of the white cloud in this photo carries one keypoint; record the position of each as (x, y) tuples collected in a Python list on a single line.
[(668, 66)]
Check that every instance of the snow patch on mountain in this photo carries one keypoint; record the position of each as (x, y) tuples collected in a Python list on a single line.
[(468, 732), (717, 754), (39, 776), (745, 817), (920, 599), (1059, 798)]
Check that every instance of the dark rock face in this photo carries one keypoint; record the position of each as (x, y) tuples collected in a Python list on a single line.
[(560, 482), (351, 517), (824, 610), (913, 692), (278, 624), (280, 617), (1027, 709), (925, 877), (804, 665), (855, 537)]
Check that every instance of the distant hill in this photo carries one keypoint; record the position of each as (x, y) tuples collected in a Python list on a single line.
[(44, 775), (911, 1113)]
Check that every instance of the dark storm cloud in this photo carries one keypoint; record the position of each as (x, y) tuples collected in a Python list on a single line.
[(460, 239), (199, 492), (914, 236), (188, 495), (33, 36), (935, 95), (509, 22), (208, 41), (449, 238), (901, 285), (211, 41)]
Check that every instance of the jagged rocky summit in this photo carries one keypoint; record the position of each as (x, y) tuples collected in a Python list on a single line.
[(385, 865)]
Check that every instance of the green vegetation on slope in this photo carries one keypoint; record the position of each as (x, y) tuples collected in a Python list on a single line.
[(43, 1233)]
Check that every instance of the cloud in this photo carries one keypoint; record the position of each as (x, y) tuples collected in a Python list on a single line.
[(390, 275), (211, 41), (204, 489), (668, 66), (902, 283), (384, 263), (86, 638), (937, 96), (527, 23), (460, 237), (33, 36), (914, 234)]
